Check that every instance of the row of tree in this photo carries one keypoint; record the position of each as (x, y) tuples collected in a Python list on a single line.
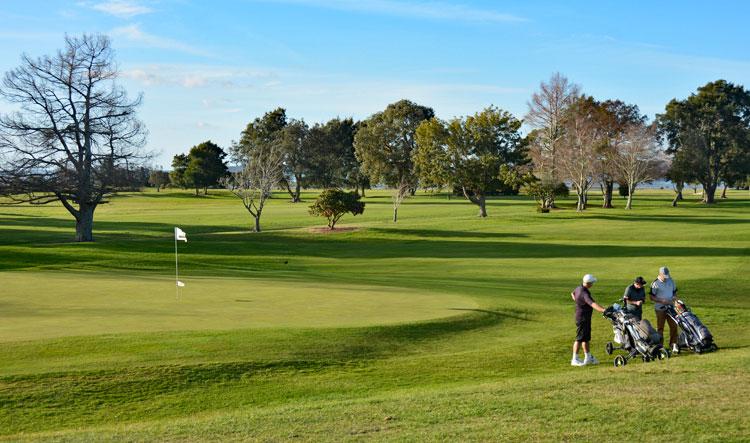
[(75, 139)]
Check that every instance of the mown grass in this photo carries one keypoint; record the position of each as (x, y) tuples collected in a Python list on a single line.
[(440, 327)]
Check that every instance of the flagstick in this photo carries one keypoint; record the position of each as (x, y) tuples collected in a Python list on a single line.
[(176, 271)]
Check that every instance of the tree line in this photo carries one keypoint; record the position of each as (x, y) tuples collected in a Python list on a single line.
[(75, 138)]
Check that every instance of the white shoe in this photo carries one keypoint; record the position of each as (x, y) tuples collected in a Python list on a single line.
[(675, 348), (590, 361), (576, 362)]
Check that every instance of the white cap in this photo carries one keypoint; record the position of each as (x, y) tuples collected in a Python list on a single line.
[(588, 278)]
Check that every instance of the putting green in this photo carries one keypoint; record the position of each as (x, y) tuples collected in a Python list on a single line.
[(37, 305)]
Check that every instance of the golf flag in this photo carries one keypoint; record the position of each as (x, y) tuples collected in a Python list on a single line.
[(180, 284), (179, 234)]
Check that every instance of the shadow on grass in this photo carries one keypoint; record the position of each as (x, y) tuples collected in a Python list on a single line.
[(138, 245)]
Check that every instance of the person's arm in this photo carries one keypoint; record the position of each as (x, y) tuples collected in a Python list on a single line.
[(656, 299), (596, 306), (573, 296), (625, 295)]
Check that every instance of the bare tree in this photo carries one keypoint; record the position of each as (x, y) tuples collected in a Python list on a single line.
[(400, 193), (577, 157), (547, 108), (261, 171), (74, 129), (638, 158)]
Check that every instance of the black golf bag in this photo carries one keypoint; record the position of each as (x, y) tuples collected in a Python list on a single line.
[(694, 335), (636, 337)]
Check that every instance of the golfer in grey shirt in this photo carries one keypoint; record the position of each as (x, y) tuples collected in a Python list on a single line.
[(663, 291)]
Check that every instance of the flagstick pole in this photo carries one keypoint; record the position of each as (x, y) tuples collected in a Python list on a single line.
[(176, 271)]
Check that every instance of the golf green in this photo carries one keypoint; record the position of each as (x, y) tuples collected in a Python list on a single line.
[(54, 304)]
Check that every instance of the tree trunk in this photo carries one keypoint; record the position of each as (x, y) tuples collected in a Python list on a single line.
[(297, 186), (482, 206), (708, 193), (724, 191), (678, 187), (413, 191), (607, 189), (294, 195), (197, 191), (85, 223), (629, 205), (158, 188), (257, 224), (580, 206), (363, 190), (395, 215)]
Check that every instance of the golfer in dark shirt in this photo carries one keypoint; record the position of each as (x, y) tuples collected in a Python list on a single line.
[(635, 296), (585, 305)]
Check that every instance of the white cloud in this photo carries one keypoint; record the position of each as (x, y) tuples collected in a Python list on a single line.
[(135, 34), (420, 9), (198, 76), (121, 8)]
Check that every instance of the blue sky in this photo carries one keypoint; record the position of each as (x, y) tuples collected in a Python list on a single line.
[(207, 68)]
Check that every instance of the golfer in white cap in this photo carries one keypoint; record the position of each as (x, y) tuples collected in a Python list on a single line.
[(585, 305), (663, 290)]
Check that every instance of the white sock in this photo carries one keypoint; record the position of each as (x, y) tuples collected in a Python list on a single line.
[(575, 356)]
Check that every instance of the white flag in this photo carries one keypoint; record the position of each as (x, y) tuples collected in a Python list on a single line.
[(179, 234), (180, 284)]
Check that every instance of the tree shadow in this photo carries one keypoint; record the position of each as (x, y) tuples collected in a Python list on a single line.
[(436, 233)]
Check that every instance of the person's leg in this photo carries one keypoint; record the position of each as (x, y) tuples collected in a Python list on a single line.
[(672, 331), (575, 361), (661, 316), (588, 358)]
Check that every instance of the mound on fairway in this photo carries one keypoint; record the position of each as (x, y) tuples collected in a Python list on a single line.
[(53, 304)]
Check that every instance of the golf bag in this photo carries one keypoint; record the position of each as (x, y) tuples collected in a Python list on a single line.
[(636, 337), (694, 335)]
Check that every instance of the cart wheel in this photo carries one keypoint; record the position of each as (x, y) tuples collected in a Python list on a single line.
[(663, 354), (608, 348), (698, 350), (714, 348), (620, 361)]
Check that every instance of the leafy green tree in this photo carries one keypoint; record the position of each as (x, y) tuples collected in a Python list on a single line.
[(331, 160), (158, 179), (384, 145), (714, 126), (205, 166), (335, 203), (467, 153), (180, 163)]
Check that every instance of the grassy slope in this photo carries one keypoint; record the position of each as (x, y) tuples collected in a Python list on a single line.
[(496, 371)]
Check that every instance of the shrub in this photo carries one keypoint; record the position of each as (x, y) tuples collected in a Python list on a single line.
[(334, 203)]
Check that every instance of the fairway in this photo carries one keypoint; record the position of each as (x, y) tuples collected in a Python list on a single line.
[(443, 326)]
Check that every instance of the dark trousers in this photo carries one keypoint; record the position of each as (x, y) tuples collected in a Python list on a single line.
[(661, 317)]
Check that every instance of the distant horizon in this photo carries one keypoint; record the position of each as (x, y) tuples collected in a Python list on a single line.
[(207, 70)]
